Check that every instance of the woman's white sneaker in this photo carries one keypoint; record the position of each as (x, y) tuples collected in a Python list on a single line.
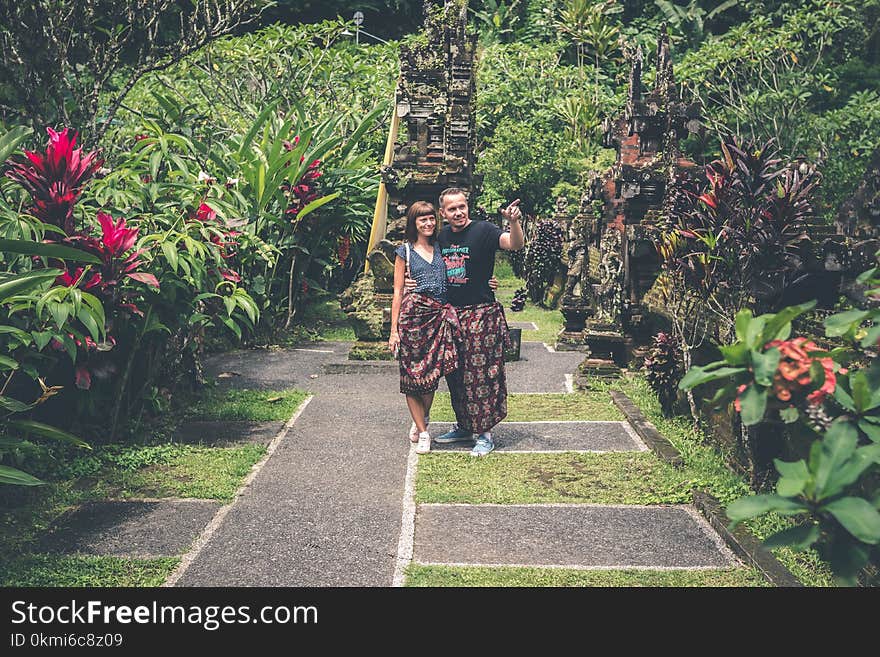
[(424, 444)]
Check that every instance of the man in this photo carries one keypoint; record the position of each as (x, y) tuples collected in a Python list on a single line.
[(478, 388)]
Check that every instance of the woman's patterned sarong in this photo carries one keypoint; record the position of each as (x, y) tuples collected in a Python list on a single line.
[(479, 388), (429, 335)]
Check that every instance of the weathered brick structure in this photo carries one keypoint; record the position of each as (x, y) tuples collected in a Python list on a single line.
[(604, 314)]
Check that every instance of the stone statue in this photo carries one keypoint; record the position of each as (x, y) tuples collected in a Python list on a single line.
[(609, 291)]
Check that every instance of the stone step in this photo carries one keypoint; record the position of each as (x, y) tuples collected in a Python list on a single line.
[(572, 436), (136, 528), (570, 536)]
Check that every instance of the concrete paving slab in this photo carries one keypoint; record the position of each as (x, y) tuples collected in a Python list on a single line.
[(525, 326), (225, 432), (325, 510), (567, 535), (553, 437), (131, 528)]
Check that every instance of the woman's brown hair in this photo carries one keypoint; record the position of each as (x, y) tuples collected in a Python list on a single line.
[(418, 209)]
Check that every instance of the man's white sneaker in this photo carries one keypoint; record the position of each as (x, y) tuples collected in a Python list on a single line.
[(424, 445)]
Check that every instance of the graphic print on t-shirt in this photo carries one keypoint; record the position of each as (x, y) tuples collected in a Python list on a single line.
[(456, 258)]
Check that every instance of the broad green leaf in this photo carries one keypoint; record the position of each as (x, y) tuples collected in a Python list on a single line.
[(755, 332), (858, 517), (23, 336), (7, 363), (848, 557), (59, 251), (13, 405), (60, 312), (756, 505), (837, 447), (841, 323), (794, 477), (871, 430), (753, 402), (232, 326), (743, 319), (41, 339), (843, 398), (735, 354), (798, 538), (47, 431), (861, 395), (872, 336), (169, 249), (22, 283), (11, 139), (852, 469), (779, 325), (85, 317), (765, 365), (317, 203), (17, 477), (698, 375)]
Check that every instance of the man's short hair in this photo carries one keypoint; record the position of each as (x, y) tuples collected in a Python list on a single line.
[(452, 191)]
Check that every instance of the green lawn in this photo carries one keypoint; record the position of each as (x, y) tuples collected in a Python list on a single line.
[(551, 406), (188, 471), (549, 322), (77, 571), (418, 575), (253, 405), (607, 478)]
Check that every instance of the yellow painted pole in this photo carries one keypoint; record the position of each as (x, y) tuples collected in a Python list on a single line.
[(380, 214)]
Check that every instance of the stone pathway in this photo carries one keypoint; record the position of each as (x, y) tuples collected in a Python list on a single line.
[(332, 503)]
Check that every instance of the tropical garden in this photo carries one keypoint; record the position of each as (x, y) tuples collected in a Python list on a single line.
[(178, 182)]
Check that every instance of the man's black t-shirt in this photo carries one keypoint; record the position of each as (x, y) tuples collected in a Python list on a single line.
[(470, 260)]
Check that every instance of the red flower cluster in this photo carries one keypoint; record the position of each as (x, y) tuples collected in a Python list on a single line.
[(55, 178), (793, 374)]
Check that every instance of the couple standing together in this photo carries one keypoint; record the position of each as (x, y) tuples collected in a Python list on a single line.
[(445, 320)]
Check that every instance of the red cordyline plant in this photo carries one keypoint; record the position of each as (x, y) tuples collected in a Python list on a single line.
[(118, 261), (742, 235), (55, 178), (306, 188)]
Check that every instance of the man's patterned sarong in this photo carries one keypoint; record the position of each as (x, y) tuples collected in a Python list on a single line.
[(478, 388), (429, 335)]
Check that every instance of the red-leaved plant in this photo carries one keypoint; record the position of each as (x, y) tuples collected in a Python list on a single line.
[(55, 178)]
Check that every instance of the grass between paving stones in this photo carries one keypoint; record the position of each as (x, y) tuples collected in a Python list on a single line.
[(52, 570), (718, 479), (549, 322), (553, 407), (606, 478), (507, 576), (196, 471), (243, 404), (125, 471)]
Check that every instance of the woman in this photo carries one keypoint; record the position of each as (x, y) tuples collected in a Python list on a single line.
[(424, 327)]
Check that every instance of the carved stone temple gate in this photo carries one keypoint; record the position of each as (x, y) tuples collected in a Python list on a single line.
[(435, 104), (612, 259)]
